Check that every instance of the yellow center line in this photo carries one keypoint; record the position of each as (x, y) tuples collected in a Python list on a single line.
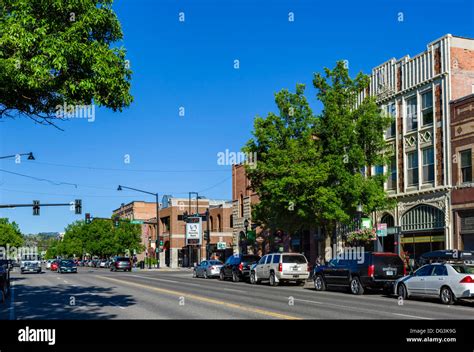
[(206, 299)]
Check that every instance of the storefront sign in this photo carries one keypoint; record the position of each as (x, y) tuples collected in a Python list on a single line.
[(193, 230), (221, 245), (422, 239)]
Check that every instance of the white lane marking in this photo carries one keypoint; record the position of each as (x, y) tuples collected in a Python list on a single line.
[(12, 301), (233, 290), (412, 316), (154, 278)]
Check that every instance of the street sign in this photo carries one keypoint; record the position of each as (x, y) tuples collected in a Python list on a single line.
[(381, 230), (366, 223), (139, 222), (193, 230), (221, 245)]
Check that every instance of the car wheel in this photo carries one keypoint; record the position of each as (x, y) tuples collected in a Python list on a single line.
[(221, 276), (235, 277), (319, 283), (273, 281), (253, 279), (447, 296), (205, 275), (402, 291), (356, 286), (194, 274)]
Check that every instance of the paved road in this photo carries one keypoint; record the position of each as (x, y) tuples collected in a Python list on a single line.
[(101, 294)]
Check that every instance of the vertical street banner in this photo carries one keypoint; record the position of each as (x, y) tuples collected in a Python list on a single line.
[(193, 231)]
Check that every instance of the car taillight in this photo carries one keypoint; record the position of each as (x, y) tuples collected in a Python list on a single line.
[(280, 267), (241, 266), (404, 270), (467, 280), (371, 271)]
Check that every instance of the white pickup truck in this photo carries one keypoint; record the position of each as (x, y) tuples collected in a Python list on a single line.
[(30, 266)]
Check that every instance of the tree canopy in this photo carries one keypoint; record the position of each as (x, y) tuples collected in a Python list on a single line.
[(10, 234), (60, 52), (314, 170)]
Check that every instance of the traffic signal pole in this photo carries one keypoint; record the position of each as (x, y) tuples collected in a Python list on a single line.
[(36, 206)]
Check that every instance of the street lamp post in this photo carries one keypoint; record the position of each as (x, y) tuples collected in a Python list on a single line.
[(359, 216), (120, 187), (246, 225), (149, 256)]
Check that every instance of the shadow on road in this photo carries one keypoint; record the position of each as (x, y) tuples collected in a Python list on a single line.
[(63, 302)]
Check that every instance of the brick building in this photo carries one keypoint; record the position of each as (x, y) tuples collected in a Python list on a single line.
[(173, 230), (416, 91), (140, 211), (462, 148)]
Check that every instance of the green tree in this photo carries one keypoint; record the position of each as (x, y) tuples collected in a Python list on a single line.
[(288, 175), (352, 140), (60, 52), (310, 170), (10, 234)]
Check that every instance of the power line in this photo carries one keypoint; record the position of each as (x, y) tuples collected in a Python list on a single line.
[(129, 170)]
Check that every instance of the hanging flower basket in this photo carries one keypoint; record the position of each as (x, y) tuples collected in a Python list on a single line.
[(361, 237)]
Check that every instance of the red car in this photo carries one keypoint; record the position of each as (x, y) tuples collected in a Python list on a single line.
[(54, 266)]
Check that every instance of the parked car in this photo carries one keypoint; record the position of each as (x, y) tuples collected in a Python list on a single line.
[(208, 269), (447, 281), (121, 263), (67, 266), (5, 267), (280, 267), (103, 263), (48, 263), (374, 270), (54, 266), (237, 267)]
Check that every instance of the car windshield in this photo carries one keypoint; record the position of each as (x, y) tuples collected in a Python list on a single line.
[(67, 263), (123, 259), (294, 259), (215, 262), (464, 269)]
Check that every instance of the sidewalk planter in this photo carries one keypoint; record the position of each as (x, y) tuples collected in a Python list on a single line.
[(361, 238)]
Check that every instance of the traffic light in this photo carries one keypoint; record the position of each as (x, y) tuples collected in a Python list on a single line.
[(36, 208), (88, 218), (116, 221), (78, 206)]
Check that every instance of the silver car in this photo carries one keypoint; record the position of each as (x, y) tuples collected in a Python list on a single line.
[(208, 269), (446, 281)]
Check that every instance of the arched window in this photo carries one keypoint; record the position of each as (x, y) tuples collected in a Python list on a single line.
[(388, 219), (211, 223), (219, 223), (422, 218)]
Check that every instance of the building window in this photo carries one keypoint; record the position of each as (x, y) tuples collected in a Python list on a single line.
[(219, 223), (428, 165), (412, 122), (211, 223), (427, 108), (231, 221), (241, 206), (412, 168), (392, 129), (392, 176), (466, 166)]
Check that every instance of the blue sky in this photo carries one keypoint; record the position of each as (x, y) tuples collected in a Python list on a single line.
[(191, 65)]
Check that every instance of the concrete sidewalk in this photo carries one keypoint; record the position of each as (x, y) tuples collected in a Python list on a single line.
[(163, 269)]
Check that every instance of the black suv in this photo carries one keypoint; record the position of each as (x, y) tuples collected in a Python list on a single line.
[(374, 270), (238, 266)]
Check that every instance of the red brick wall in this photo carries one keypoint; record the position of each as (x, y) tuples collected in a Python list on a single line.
[(439, 135), (462, 72), (401, 155)]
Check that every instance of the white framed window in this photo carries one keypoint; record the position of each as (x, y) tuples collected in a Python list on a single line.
[(428, 165), (391, 111), (411, 113), (427, 108), (392, 174), (412, 168)]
